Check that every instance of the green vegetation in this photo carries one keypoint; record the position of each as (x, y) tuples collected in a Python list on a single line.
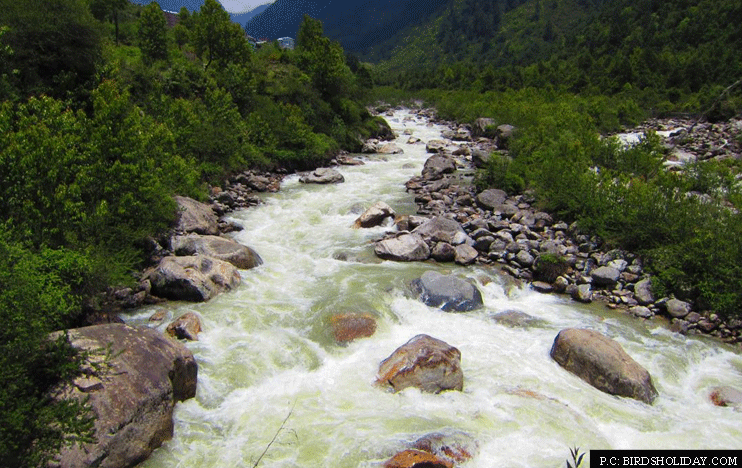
[(105, 114)]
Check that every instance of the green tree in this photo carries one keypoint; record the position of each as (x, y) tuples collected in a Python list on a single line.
[(322, 59), (153, 33), (56, 45), (108, 10), (217, 38)]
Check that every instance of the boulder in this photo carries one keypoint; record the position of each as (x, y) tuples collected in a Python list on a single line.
[(602, 362), (132, 379), (677, 309), (185, 327), (403, 248), (516, 319), (580, 293), (440, 229), (350, 326), (390, 148), (322, 175), (643, 292), (435, 146), (504, 133), (465, 254), (726, 396), (436, 166), (448, 292), (416, 459), (443, 252), (369, 147), (605, 276), (480, 158), (455, 447), (491, 199), (194, 278), (196, 217), (423, 362), (374, 216), (221, 248)]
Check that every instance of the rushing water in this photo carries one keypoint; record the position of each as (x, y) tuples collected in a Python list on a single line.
[(266, 353)]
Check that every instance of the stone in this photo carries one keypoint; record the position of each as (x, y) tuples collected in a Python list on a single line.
[(643, 292), (374, 216), (465, 254), (351, 326), (516, 319), (602, 362), (424, 362), (133, 377), (605, 276), (443, 252), (581, 293), (322, 175), (416, 459), (492, 198), (641, 311), (194, 278), (435, 146), (403, 248), (455, 447), (221, 248), (726, 396), (196, 217), (390, 148), (677, 308), (186, 327), (447, 292), (542, 287), (480, 158), (504, 134), (437, 165), (524, 258), (484, 127), (440, 229)]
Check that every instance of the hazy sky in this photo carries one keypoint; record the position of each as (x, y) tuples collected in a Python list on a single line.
[(241, 6)]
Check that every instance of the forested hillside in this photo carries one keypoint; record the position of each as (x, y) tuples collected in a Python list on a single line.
[(357, 24), (106, 113)]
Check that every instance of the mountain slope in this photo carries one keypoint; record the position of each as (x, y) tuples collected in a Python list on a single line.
[(173, 5), (357, 24), (244, 18)]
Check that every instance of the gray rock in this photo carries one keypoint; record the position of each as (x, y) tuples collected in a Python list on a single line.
[(492, 198), (465, 254), (516, 319), (132, 379), (581, 293), (641, 311), (602, 362), (423, 362), (390, 148), (374, 216), (435, 146), (221, 248), (480, 158), (524, 258), (605, 276), (403, 248), (447, 292), (322, 175), (677, 309), (196, 217), (443, 252), (643, 292), (437, 165), (440, 229), (195, 278), (484, 127), (505, 133)]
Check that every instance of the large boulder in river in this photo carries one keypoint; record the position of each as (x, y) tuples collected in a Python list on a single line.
[(390, 148), (442, 229), (374, 216), (185, 327), (484, 127), (221, 248), (423, 362), (403, 248), (436, 166), (196, 217), (132, 378), (447, 292), (602, 362), (194, 278), (322, 175)]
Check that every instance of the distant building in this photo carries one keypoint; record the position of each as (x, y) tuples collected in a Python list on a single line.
[(286, 43), (252, 41)]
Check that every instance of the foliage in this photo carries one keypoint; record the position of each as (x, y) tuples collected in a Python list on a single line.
[(216, 38), (152, 33), (576, 458), (39, 292), (549, 267)]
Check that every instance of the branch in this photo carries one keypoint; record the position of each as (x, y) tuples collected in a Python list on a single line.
[(275, 435)]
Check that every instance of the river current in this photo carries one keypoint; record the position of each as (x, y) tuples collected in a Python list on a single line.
[(267, 354)]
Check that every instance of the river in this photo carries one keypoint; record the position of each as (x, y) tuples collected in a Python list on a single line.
[(267, 355)]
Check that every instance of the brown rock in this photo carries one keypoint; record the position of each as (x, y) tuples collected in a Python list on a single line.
[(196, 217), (227, 250), (197, 278), (423, 362), (601, 362), (374, 216), (132, 379), (185, 327), (454, 448), (348, 327), (726, 396), (416, 459)]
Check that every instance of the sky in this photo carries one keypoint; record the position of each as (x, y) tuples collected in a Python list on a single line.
[(241, 6)]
